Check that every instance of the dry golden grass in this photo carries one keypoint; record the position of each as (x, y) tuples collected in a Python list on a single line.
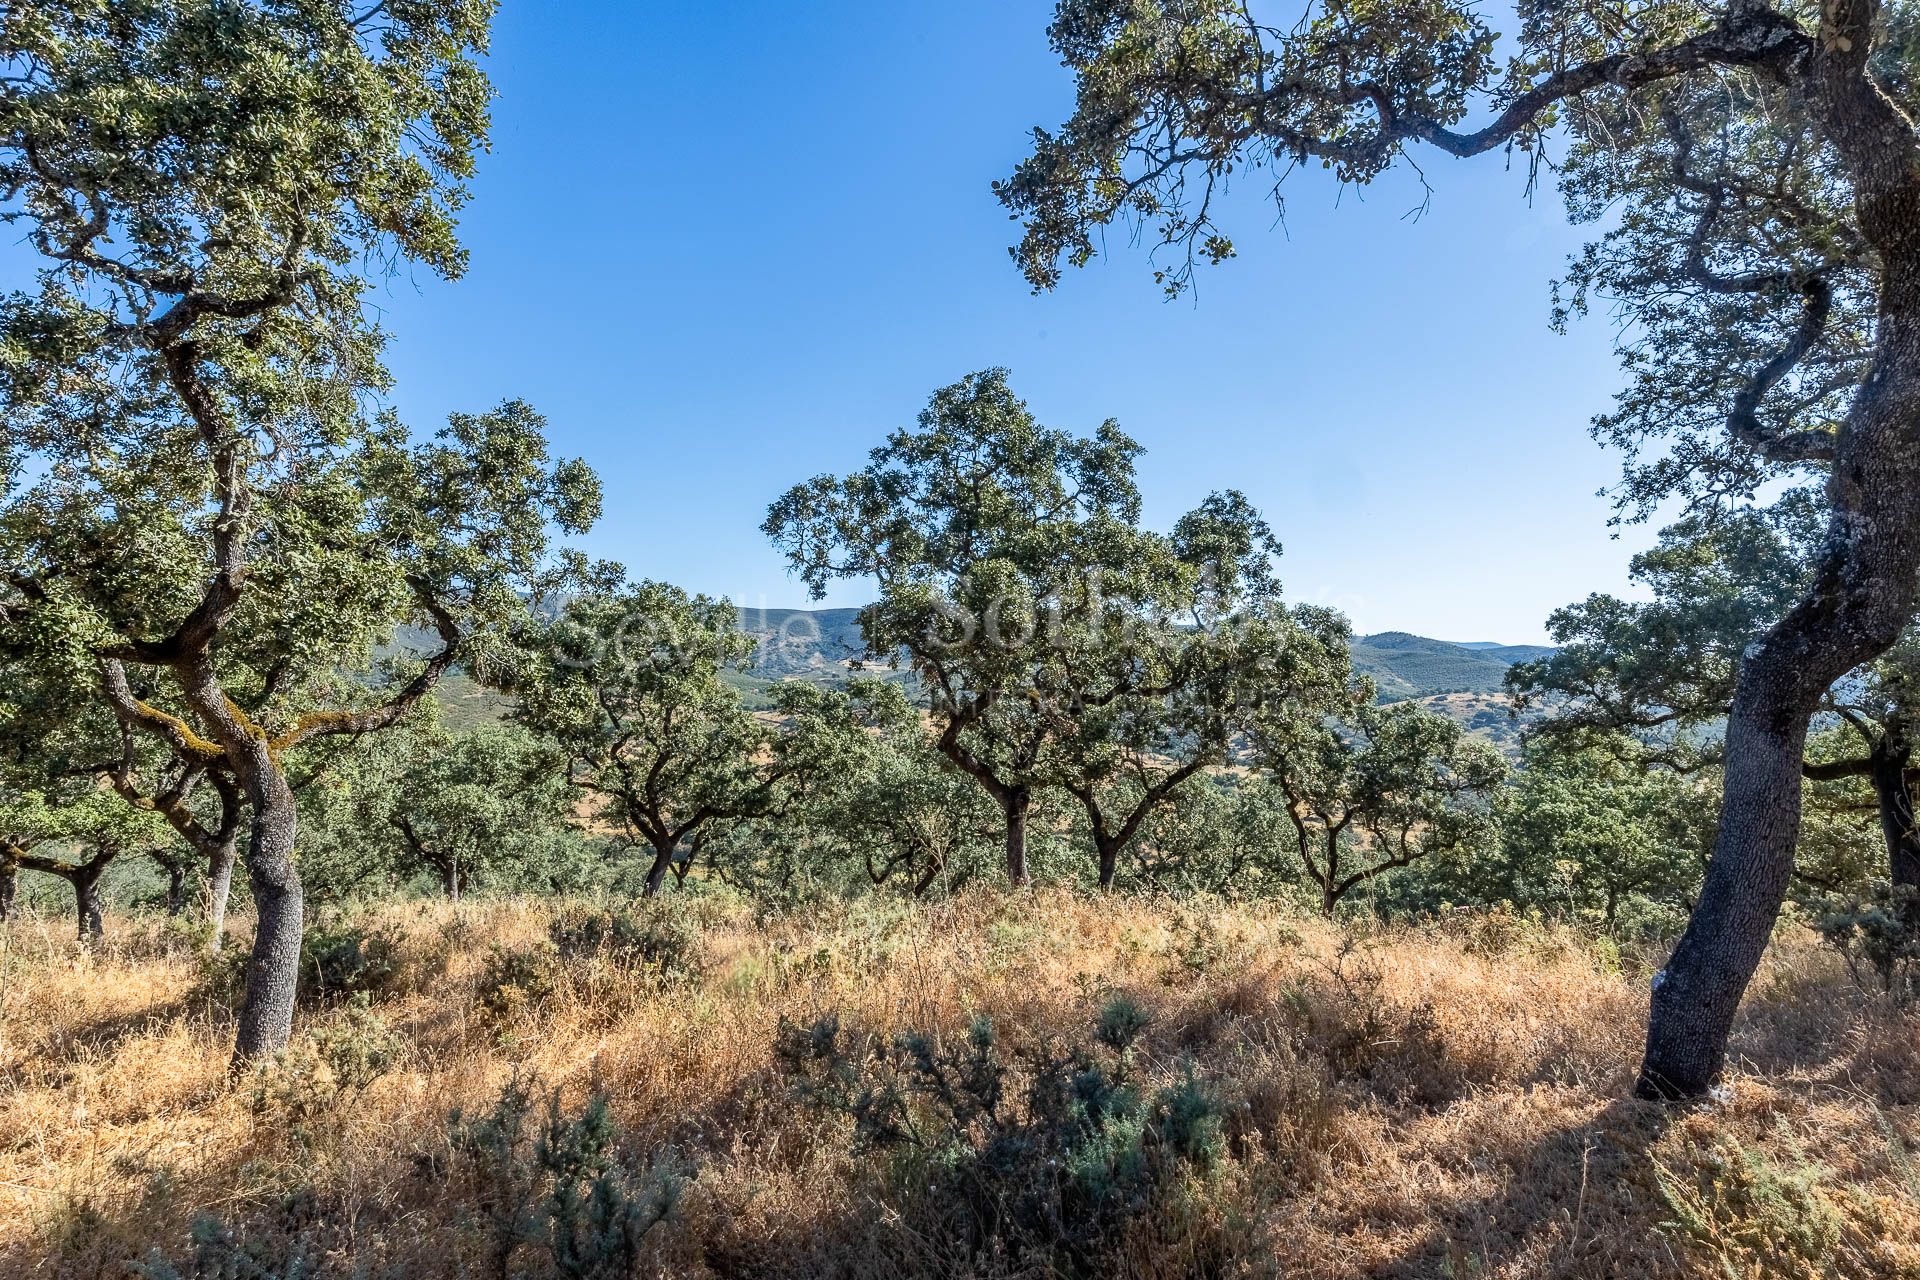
[(1441, 1100)]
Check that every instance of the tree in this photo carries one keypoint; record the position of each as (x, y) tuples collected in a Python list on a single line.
[(74, 836), (894, 810), (481, 807), (55, 729), (628, 683), (1664, 671), (1760, 168), (1379, 788), (1146, 695), (203, 519), (1058, 643), (1592, 827)]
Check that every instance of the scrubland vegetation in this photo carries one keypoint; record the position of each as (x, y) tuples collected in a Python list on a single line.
[(1104, 914), (993, 1084)]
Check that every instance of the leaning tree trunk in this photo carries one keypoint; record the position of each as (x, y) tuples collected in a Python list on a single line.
[(657, 873), (1862, 596)]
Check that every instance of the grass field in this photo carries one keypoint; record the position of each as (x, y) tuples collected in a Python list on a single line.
[(1166, 1091)]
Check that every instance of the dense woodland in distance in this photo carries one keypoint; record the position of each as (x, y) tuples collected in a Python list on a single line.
[(1082, 905)]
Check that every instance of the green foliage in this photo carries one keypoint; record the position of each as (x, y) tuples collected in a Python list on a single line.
[(1877, 931), (626, 683), (1038, 1155), (558, 1194), (515, 983), (1377, 789), (653, 937), (345, 959), (1591, 830), (1059, 644)]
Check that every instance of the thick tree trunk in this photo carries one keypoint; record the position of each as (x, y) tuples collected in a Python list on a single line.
[(1015, 803), (176, 888), (273, 971), (1109, 853), (219, 891)]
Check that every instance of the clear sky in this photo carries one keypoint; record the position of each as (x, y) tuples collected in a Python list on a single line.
[(727, 246)]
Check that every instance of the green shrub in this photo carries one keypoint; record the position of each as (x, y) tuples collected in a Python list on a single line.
[(1038, 1156), (1877, 932), (655, 936), (347, 959), (515, 981), (557, 1194)]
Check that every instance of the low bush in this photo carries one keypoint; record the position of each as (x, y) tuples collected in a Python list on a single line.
[(1041, 1156)]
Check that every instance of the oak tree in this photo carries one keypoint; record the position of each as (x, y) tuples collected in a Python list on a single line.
[(1759, 165)]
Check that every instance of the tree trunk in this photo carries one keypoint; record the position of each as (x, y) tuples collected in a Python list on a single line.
[(176, 888), (1861, 598), (1109, 851), (9, 887), (1894, 794), (219, 890), (273, 971), (657, 873), (1015, 804), (86, 904), (450, 880)]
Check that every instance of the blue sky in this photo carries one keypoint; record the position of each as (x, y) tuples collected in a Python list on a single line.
[(727, 246)]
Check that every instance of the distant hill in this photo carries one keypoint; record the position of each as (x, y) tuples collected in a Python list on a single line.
[(825, 644), (1410, 666)]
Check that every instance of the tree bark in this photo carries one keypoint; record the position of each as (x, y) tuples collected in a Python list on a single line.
[(9, 888), (1109, 854), (1015, 804), (219, 890), (176, 888), (450, 880), (273, 970), (657, 873), (86, 905)]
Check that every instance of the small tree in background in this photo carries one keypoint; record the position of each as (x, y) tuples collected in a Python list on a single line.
[(628, 683), (1378, 788)]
